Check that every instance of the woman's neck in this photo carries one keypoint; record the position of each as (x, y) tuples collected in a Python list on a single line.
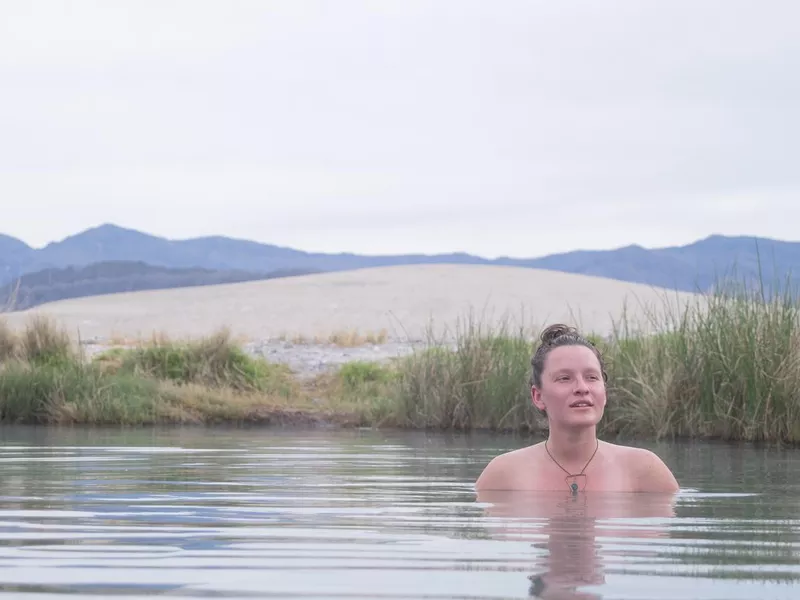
[(572, 447)]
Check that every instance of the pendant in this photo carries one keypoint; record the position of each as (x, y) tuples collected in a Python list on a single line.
[(573, 485)]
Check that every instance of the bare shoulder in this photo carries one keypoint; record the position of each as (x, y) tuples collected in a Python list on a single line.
[(650, 473), (501, 472)]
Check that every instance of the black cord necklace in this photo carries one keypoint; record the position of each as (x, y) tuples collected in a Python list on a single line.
[(574, 485)]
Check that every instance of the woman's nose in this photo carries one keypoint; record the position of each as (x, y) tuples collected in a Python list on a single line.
[(581, 385)]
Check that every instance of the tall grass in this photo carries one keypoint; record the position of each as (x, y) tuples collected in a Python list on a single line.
[(728, 367), (43, 379), (75, 393), (481, 381), (8, 342), (214, 361), (725, 367), (366, 390), (40, 342)]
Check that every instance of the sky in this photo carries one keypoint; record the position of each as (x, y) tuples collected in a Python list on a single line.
[(507, 128)]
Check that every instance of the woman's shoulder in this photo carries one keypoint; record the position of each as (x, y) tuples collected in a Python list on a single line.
[(503, 469), (648, 470)]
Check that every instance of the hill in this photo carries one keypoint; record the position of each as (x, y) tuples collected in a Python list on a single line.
[(403, 300), (692, 267), (49, 285)]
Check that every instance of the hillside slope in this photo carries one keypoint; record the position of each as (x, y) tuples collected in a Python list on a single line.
[(403, 300), (49, 285)]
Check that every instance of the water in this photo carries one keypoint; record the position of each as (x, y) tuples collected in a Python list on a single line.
[(227, 513)]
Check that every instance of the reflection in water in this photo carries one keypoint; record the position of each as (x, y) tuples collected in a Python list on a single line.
[(573, 529)]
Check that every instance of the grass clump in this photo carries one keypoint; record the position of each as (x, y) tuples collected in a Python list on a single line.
[(43, 381), (365, 390), (478, 382), (214, 361), (86, 394), (74, 393), (359, 374), (40, 342)]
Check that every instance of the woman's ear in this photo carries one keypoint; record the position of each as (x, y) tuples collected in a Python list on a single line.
[(536, 398)]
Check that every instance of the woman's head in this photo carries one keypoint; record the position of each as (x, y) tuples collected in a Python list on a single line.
[(556, 336), (568, 378)]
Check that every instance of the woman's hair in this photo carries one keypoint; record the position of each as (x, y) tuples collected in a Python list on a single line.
[(553, 337)]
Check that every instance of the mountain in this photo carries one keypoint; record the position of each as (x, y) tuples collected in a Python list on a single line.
[(113, 243), (14, 254), (10, 247), (693, 267)]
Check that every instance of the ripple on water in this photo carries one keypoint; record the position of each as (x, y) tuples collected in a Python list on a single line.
[(349, 516)]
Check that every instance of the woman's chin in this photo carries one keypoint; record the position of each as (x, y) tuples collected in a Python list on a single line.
[(586, 417)]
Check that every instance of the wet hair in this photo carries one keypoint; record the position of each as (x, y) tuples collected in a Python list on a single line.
[(556, 336)]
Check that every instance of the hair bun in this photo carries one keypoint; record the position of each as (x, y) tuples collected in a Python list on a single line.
[(556, 331)]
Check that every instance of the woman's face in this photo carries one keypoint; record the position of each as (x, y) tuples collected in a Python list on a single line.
[(572, 388)]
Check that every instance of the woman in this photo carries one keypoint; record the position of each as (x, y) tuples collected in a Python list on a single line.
[(568, 383)]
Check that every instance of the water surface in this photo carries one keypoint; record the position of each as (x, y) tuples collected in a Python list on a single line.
[(227, 513)]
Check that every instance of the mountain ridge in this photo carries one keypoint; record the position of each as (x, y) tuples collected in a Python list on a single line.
[(696, 266)]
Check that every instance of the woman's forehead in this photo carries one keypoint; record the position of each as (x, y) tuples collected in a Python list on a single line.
[(571, 357)]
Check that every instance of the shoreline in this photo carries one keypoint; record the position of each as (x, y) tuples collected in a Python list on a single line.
[(302, 421), (726, 368)]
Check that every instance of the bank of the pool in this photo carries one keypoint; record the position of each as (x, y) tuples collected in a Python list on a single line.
[(727, 367)]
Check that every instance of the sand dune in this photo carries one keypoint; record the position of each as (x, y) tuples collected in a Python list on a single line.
[(402, 300)]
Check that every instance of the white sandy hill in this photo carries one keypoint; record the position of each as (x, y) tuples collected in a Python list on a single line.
[(403, 300)]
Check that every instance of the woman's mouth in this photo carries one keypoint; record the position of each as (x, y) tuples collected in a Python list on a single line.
[(581, 404)]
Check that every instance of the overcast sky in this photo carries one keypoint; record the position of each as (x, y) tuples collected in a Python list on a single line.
[(514, 128)]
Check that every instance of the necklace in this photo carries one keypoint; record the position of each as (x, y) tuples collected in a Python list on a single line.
[(574, 485)]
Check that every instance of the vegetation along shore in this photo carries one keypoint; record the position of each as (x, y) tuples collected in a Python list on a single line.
[(728, 369)]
